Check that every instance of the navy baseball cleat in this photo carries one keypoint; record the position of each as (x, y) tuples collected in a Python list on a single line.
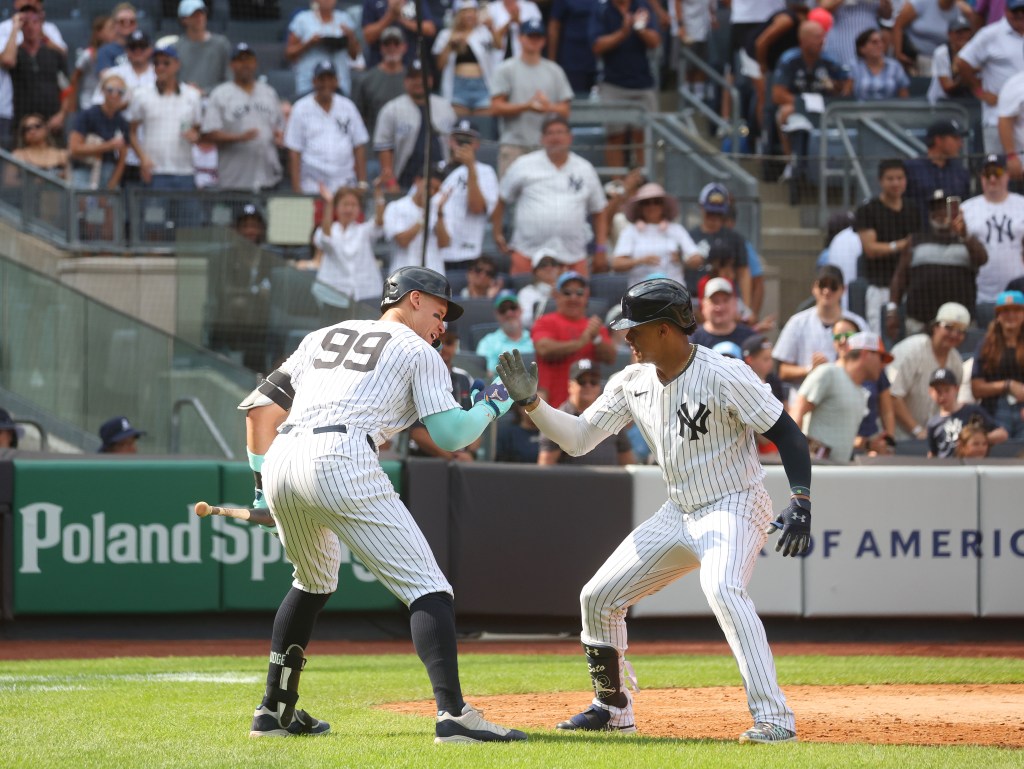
[(471, 726), (597, 719), (265, 723)]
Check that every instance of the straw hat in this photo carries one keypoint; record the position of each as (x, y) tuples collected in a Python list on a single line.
[(648, 192)]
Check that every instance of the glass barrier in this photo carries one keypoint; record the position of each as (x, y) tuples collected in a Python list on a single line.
[(84, 362)]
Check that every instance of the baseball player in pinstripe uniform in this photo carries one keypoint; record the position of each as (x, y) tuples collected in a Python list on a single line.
[(319, 418), (698, 411)]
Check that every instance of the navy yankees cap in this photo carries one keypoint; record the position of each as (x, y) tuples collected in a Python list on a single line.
[(242, 49), (532, 27), (116, 429), (325, 67), (943, 376)]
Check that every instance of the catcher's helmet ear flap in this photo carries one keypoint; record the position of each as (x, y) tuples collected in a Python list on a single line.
[(657, 299), (406, 279)]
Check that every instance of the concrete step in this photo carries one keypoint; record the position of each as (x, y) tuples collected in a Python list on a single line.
[(790, 239)]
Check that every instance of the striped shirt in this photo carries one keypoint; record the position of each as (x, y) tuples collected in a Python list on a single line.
[(373, 375), (700, 425), (886, 84)]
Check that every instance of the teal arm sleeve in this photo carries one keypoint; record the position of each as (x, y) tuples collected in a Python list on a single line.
[(455, 428)]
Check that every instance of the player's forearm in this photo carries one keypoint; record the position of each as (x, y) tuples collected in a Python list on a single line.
[(793, 451), (455, 428), (574, 435)]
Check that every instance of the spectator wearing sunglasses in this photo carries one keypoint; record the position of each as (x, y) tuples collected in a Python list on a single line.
[(471, 189), (996, 218), (37, 68), (53, 39), (99, 139), (510, 334), (112, 53), (567, 335), (805, 342), (37, 148), (482, 281), (877, 431)]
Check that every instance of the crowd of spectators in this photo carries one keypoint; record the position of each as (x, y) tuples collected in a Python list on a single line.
[(366, 104)]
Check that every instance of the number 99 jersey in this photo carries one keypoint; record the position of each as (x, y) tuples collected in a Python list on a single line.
[(378, 376)]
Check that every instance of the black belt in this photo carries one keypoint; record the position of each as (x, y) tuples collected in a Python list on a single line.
[(331, 429)]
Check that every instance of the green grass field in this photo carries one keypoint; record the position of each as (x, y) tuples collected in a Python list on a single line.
[(195, 712)]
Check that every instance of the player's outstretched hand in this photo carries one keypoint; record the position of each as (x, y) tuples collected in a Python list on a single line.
[(795, 522), (520, 380)]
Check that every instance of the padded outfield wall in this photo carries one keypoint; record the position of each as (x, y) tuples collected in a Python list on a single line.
[(89, 536)]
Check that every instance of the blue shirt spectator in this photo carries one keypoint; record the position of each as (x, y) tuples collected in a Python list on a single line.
[(569, 35), (625, 65), (375, 10)]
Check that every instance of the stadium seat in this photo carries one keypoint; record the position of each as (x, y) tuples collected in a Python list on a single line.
[(472, 364), (856, 296), (270, 55), (59, 10), (912, 448), (282, 81), (477, 332), (75, 33), (609, 286), (457, 280), (476, 311), (256, 31)]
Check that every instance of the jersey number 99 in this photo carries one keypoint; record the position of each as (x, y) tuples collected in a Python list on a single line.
[(343, 346)]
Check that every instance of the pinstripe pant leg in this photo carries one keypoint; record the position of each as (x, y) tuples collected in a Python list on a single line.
[(352, 498), (729, 543), (650, 558)]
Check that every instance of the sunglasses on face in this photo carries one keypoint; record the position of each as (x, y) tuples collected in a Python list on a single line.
[(995, 171), (573, 291), (507, 308), (953, 328), (842, 336), (829, 285), (30, 9), (128, 21), (118, 91), (651, 202), (30, 127)]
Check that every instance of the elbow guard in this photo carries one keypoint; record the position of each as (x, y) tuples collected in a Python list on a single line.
[(276, 388)]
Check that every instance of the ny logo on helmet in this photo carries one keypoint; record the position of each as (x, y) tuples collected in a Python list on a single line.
[(698, 423)]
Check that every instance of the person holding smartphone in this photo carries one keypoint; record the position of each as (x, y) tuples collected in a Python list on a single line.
[(940, 266)]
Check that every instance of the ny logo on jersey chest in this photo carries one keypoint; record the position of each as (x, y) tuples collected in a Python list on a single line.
[(698, 422)]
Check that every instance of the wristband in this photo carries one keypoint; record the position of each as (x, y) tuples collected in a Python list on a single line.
[(527, 402), (893, 246), (600, 248), (255, 461)]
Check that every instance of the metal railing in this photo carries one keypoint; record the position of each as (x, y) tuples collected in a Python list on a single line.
[(732, 127), (207, 420)]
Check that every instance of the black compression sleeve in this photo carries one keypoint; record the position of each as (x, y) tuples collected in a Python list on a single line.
[(792, 445)]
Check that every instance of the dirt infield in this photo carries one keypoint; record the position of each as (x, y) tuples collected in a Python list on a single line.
[(880, 715), (903, 715)]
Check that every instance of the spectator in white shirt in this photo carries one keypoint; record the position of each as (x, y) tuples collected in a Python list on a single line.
[(471, 193), (534, 296), (654, 241), (403, 227)]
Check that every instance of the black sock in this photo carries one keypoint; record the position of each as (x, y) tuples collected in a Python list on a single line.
[(432, 622), (293, 625)]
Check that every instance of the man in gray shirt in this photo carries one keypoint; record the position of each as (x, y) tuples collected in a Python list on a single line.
[(243, 118), (374, 88), (204, 55), (524, 91)]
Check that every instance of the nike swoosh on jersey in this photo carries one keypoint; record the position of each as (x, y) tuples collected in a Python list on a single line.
[(642, 392)]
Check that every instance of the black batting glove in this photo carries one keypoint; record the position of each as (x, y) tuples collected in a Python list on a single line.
[(795, 522)]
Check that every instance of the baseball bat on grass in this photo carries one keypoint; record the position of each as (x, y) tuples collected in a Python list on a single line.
[(252, 515)]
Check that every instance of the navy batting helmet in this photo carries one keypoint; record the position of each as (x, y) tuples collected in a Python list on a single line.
[(657, 299), (406, 279)]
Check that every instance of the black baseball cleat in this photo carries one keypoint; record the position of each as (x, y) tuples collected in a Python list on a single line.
[(471, 726), (595, 719), (265, 723)]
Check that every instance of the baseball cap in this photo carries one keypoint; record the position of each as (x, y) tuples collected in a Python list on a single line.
[(566, 277), (1009, 299), (461, 5), (953, 312), (249, 209), (944, 128), (993, 159), (241, 50), (391, 33), (532, 27), (166, 50), (542, 253), (187, 7), (414, 69), (714, 198), (715, 285), (959, 23), (505, 297), (754, 344), (831, 273), (868, 340), (583, 366), (943, 376), (137, 39), (465, 128), (324, 67), (729, 350), (937, 196), (116, 429)]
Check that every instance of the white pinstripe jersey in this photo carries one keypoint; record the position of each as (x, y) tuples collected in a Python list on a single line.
[(700, 425), (378, 376)]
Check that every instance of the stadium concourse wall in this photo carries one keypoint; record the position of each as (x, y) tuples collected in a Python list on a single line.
[(119, 536)]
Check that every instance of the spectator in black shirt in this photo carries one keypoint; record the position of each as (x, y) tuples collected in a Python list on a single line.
[(36, 66), (940, 168), (884, 225)]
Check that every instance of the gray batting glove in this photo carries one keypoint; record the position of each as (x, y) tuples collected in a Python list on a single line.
[(520, 382)]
